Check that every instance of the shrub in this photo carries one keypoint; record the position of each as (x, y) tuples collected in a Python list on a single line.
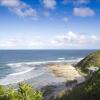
[(24, 92)]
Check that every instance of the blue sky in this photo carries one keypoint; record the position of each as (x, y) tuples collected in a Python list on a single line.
[(49, 24)]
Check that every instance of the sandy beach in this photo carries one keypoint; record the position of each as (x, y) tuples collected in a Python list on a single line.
[(67, 71)]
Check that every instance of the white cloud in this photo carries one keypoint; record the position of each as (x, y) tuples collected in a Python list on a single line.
[(20, 8), (95, 39), (24, 10), (73, 39), (6, 44), (10, 3), (49, 3), (83, 12), (22, 42), (68, 40)]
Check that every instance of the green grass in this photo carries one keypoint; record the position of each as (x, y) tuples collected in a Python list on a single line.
[(92, 59)]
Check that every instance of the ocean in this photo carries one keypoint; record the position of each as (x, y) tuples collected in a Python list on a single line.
[(21, 65)]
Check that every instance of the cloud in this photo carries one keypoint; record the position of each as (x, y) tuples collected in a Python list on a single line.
[(6, 44), (25, 11), (22, 42), (67, 40), (83, 12), (10, 3), (73, 39), (20, 8), (50, 4)]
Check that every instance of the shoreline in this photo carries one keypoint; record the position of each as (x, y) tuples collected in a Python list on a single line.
[(61, 70), (29, 73)]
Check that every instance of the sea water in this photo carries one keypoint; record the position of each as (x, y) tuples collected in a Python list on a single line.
[(29, 65)]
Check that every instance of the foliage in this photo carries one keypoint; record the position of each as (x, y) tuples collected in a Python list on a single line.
[(92, 59), (24, 92), (90, 90)]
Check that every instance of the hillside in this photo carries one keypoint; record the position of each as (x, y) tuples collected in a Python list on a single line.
[(90, 89), (92, 59)]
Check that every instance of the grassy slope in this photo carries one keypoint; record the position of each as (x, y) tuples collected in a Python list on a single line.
[(92, 59)]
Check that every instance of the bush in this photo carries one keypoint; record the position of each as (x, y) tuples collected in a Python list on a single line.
[(24, 92)]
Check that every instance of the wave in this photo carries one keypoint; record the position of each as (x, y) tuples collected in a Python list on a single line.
[(16, 65), (61, 58), (21, 76), (19, 73)]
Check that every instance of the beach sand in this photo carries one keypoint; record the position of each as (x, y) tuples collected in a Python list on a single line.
[(67, 71)]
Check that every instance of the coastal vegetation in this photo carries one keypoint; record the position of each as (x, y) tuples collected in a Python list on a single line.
[(92, 60), (90, 89), (24, 92)]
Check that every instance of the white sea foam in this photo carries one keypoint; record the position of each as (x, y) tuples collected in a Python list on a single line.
[(79, 59), (15, 65), (21, 76), (61, 58), (19, 73)]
